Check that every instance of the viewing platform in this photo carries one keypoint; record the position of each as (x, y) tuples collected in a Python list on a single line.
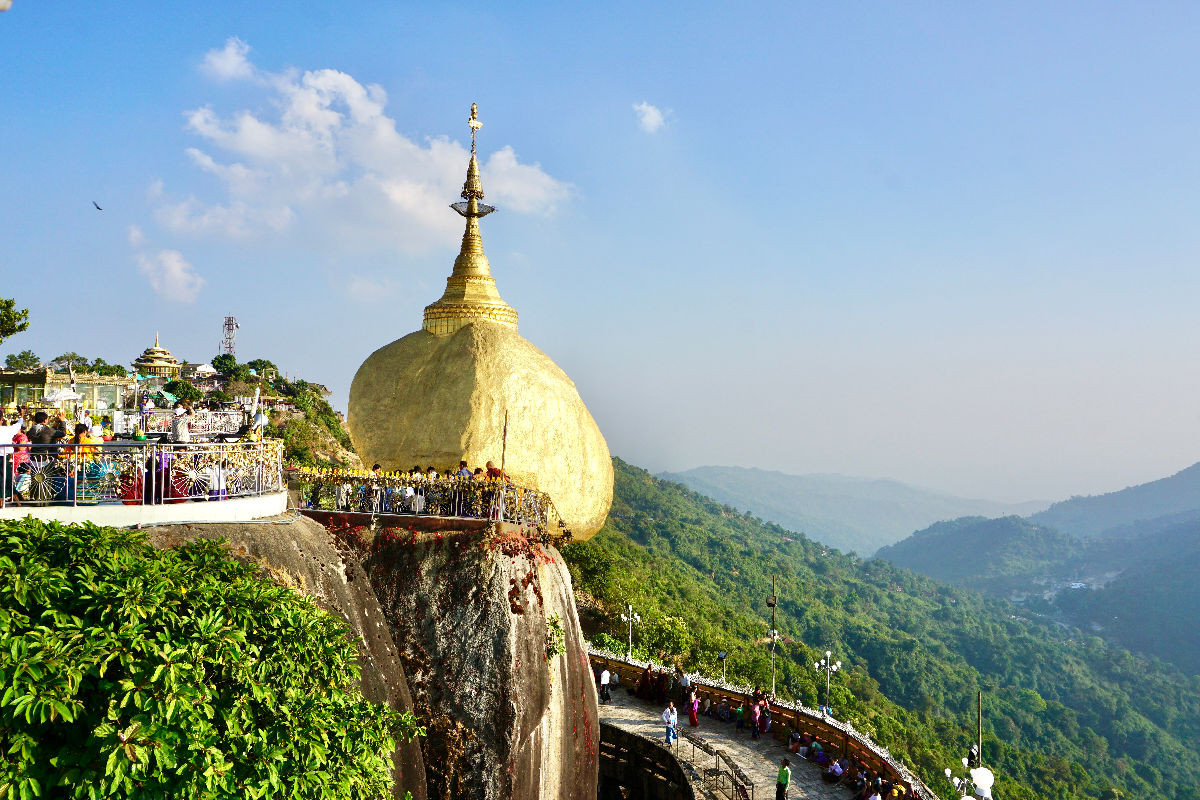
[(737, 766), (127, 482), (397, 499)]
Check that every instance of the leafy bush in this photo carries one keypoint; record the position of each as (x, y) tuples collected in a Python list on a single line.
[(135, 672), (183, 390)]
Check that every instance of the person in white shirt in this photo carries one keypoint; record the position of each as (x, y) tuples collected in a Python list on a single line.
[(605, 677), (671, 718)]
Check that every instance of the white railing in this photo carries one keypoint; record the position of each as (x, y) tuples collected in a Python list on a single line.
[(137, 473), (203, 423)]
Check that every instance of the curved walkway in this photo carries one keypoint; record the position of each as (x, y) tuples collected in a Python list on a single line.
[(758, 759)]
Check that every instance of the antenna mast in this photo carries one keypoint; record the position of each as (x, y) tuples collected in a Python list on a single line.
[(229, 343)]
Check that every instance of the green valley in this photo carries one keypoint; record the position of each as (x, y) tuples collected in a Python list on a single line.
[(1066, 715)]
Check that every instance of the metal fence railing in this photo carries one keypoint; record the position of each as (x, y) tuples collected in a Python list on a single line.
[(725, 776), (137, 473), (415, 495), (203, 423)]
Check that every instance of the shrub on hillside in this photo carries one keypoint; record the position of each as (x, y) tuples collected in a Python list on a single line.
[(135, 672)]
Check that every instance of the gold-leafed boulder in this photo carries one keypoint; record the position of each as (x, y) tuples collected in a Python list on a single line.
[(441, 394)]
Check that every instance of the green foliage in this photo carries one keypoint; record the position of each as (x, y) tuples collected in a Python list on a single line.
[(224, 363), (183, 390), (996, 554), (556, 637), (1065, 716), (26, 359), (12, 319), (261, 366), (135, 672), (102, 367), (665, 636), (220, 396), (70, 359)]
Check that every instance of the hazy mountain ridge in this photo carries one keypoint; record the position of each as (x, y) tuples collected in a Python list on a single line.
[(1122, 569), (849, 513), (985, 554), (1095, 514)]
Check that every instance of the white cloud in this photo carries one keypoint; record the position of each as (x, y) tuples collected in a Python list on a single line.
[(366, 290), (170, 275), (229, 63), (325, 166), (136, 237), (650, 118)]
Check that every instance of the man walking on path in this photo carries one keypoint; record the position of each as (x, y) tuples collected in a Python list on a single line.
[(781, 782), (670, 717), (605, 677)]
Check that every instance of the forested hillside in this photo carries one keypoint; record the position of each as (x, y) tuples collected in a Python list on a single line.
[(851, 514), (1093, 516), (1066, 715), (998, 555), (1136, 585)]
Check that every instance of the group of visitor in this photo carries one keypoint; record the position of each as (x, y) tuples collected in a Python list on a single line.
[(419, 490), (662, 687), (28, 440)]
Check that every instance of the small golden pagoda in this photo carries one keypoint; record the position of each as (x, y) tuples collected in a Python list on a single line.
[(157, 362), (471, 294), (444, 393)]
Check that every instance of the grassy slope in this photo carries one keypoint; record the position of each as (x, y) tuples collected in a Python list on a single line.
[(1065, 715)]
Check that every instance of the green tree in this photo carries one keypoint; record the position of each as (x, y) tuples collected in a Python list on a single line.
[(68, 359), (134, 672), (26, 359), (183, 390), (102, 367), (666, 636), (12, 319), (224, 363)]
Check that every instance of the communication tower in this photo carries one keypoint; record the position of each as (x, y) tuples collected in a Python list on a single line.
[(229, 343)]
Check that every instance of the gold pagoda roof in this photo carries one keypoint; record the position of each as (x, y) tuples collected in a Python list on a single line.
[(156, 356), (471, 294)]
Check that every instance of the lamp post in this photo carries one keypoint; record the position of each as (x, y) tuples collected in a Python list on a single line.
[(979, 784), (772, 602), (630, 618), (828, 666), (721, 656)]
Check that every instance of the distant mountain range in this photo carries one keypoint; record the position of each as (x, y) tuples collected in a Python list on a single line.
[(851, 514), (1095, 515), (1123, 564)]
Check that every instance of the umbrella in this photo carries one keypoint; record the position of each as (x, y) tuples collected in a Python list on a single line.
[(60, 395)]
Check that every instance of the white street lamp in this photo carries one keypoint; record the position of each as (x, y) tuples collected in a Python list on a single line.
[(828, 666), (978, 785), (630, 618)]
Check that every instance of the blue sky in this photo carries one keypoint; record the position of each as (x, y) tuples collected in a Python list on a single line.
[(952, 244)]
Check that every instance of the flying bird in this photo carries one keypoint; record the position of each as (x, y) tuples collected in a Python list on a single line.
[(97, 205)]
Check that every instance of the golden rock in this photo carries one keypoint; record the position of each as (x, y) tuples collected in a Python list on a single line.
[(439, 395)]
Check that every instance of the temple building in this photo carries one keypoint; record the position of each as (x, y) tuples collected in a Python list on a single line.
[(468, 386), (157, 362)]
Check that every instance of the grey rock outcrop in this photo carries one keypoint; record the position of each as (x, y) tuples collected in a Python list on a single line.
[(488, 633)]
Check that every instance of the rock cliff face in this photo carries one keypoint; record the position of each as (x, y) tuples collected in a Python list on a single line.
[(488, 633), (301, 554)]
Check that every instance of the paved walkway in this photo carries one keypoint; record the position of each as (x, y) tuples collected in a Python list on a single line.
[(758, 759)]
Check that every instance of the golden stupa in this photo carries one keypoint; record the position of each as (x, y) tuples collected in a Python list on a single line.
[(441, 394), (157, 361)]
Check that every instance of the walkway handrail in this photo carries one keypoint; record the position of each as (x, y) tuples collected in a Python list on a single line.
[(813, 719), (401, 494), (133, 472)]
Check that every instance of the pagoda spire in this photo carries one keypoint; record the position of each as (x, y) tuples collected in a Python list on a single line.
[(471, 294)]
